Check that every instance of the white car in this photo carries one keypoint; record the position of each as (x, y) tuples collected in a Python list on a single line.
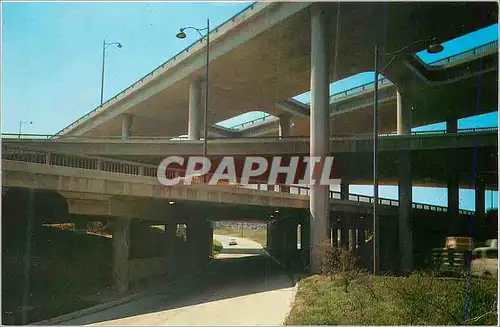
[(484, 262), (232, 241)]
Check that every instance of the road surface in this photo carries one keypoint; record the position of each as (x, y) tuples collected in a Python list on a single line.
[(236, 289)]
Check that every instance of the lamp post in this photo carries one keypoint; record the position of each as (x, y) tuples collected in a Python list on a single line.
[(432, 47), (21, 123), (182, 35), (105, 45)]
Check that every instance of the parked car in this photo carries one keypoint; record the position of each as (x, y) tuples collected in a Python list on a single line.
[(484, 262), (232, 241)]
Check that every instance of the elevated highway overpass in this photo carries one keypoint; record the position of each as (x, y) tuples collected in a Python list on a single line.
[(87, 180), (351, 110), (275, 37), (262, 57), (353, 153), (102, 188)]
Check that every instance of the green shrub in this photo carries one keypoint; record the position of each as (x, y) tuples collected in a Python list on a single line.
[(216, 248), (336, 262)]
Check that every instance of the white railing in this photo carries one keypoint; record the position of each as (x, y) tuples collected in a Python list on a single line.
[(53, 158)]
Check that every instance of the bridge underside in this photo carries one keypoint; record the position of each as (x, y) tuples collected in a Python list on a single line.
[(282, 49)]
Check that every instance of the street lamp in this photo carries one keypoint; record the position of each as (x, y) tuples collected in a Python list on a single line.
[(182, 35), (105, 45), (21, 123), (432, 47)]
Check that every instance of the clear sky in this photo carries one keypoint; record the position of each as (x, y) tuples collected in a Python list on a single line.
[(52, 56)]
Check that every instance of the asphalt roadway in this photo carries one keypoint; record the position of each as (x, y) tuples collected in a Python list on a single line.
[(242, 286)]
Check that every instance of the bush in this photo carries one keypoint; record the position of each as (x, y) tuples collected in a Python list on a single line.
[(216, 248), (338, 262)]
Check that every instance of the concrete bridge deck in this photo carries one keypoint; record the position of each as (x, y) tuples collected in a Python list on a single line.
[(102, 186), (276, 37), (164, 146)]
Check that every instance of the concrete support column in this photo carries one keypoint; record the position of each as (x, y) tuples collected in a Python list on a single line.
[(480, 199), (405, 233), (344, 233), (305, 243), (208, 233), (121, 247), (81, 225), (403, 115), (268, 236), (193, 240), (360, 239), (30, 216), (127, 126), (453, 202), (344, 190), (284, 128), (195, 116), (453, 181), (333, 237), (170, 236), (451, 125), (319, 134)]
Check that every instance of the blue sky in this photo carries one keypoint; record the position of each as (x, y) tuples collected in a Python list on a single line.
[(52, 62)]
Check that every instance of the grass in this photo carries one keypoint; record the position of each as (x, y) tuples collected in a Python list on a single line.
[(256, 235), (384, 300)]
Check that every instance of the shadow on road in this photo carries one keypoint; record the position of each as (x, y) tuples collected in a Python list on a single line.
[(224, 278)]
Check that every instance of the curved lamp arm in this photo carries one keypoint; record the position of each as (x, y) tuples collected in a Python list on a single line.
[(403, 49), (112, 43), (194, 28), (408, 46)]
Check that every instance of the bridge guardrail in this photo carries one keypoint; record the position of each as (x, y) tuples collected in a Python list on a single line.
[(493, 45), (47, 157), (177, 138)]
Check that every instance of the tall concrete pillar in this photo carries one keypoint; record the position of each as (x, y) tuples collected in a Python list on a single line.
[(30, 216), (268, 235), (453, 201), (284, 128), (305, 243), (121, 247), (403, 115), (451, 125), (480, 199), (453, 181), (127, 126), (344, 190), (318, 200), (171, 236), (195, 116), (405, 233)]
